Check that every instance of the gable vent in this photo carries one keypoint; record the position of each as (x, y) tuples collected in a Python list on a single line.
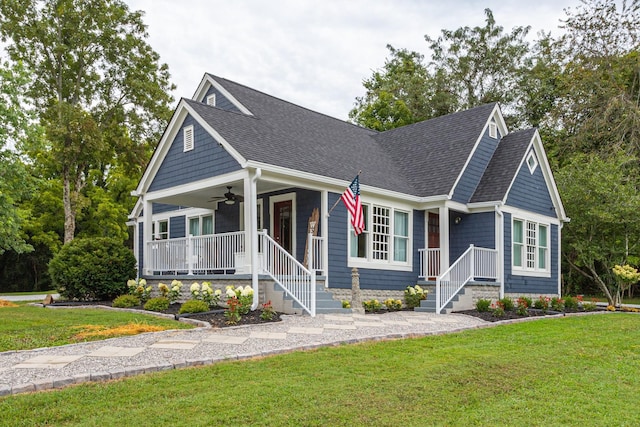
[(493, 130), (211, 100), (187, 134)]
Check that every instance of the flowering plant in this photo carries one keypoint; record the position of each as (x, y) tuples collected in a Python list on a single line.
[(139, 288), (522, 305), (393, 304), (372, 306), (232, 313), (267, 311), (627, 276), (175, 291), (244, 296), (542, 303), (205, 293), (413, 295), (557, 304)]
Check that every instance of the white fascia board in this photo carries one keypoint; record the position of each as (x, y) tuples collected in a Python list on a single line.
[(485, 206), (137, 210), (520, 213), (207, 81), (496, 114), (197, 185)]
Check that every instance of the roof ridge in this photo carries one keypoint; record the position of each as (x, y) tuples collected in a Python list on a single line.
[(218, 78)]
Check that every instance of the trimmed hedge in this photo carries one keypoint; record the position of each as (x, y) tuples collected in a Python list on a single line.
[(92, 269)]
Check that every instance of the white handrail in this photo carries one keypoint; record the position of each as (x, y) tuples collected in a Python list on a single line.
[(314, 254), (429, 262), (289, 274), (475, 262)]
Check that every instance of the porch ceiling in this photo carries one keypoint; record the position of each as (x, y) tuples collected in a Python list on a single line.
[(207, 197)]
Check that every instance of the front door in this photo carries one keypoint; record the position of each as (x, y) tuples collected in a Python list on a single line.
[(282, 224), (433, 240)]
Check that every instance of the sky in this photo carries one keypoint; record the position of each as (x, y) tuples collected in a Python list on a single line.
[(314, 53)]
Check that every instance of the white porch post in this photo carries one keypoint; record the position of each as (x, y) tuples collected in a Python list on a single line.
[(324, 228), (147, 217), (500, 248), (443, 212), (250, 206), (251, 185)]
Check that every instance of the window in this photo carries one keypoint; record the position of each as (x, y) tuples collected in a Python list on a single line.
[(201, 225), (160, 229), (187, 134), (493, 130), (530, 247), (385, 240), (532, 162), (258, 215), (211, 100)]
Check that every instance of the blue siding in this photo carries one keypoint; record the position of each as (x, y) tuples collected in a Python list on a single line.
[(475, 169), (207, 159), (177, 227), (162, 207), (474, 229), (340, 273), (526, 284), (221, 101), (529, 192), (306, 201)]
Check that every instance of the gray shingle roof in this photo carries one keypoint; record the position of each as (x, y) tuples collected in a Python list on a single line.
[(503, 166), (422, 159)]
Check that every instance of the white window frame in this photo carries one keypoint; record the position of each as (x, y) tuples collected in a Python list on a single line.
[(188, 138), (155, 227), (532, 161), (211, 100), (199, 217), (530, 248), (372, 258)]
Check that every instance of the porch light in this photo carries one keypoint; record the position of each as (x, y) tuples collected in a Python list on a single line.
[(457, 220)]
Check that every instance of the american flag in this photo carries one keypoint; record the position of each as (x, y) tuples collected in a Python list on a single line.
[(351, 199)]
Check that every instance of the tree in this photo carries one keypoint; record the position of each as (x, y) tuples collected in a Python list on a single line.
[(100, 90), (601, 197), (17, 126), (481, 64)]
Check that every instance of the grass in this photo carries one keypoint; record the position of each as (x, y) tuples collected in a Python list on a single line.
[(562, 371), (27, 327), (28, 293)]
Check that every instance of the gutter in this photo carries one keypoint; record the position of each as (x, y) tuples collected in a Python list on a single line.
[(254, 238)]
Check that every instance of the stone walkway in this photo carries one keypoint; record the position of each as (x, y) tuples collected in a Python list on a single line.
[(56, 367)]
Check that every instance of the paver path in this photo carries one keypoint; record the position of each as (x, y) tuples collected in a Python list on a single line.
[(54, 367)]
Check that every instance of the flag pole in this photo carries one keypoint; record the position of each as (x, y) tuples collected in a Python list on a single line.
[(338, 201)]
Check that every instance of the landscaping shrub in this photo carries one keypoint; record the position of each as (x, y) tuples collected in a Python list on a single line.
[(482, 305), (506, 303), (194, 306), (571, 303), (371, 306), (157, 304), (92, 269), (393, 304), (413, 295), (126, 301)]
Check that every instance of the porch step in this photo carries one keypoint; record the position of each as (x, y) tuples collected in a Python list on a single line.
[(461, 301), (325, 303)]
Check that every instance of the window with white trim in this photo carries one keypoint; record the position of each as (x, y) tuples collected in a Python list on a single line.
[(532, 162), (201, 225), (386, 238), (211, 100), (530, 247), (160, 229), (187, 136)]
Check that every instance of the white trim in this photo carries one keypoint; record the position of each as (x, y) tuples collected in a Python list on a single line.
[(259, 206), (283, 198), (530, 215), (389, 263), (211, 100), (523, 270), (197, 185), (493, 130)]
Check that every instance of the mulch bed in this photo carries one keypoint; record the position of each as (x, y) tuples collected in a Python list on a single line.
[(214, 317), (508, 315)]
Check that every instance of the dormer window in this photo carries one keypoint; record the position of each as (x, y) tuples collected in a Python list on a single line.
[(211, 100), (532, 162), (493, 130), (187, 134)]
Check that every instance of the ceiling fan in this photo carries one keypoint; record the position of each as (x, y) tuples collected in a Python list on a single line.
[(229, 197)]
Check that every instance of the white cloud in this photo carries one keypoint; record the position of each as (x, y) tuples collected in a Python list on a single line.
[(314, 54)]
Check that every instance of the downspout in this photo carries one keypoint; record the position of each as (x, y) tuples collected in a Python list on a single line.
[(254, 238), (500, 247)]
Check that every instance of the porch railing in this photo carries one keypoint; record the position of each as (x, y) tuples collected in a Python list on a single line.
[(214, 252), (296, 280), (474, 263), (315, 259), (429, 262)]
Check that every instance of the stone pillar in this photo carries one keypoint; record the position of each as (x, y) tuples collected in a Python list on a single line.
[(356, 298)]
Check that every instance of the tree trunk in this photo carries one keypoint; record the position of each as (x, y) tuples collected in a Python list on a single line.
[(594, 276), (69, 212)]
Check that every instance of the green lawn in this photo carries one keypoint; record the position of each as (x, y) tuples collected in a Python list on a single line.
[(27, 327), (552, 372)]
